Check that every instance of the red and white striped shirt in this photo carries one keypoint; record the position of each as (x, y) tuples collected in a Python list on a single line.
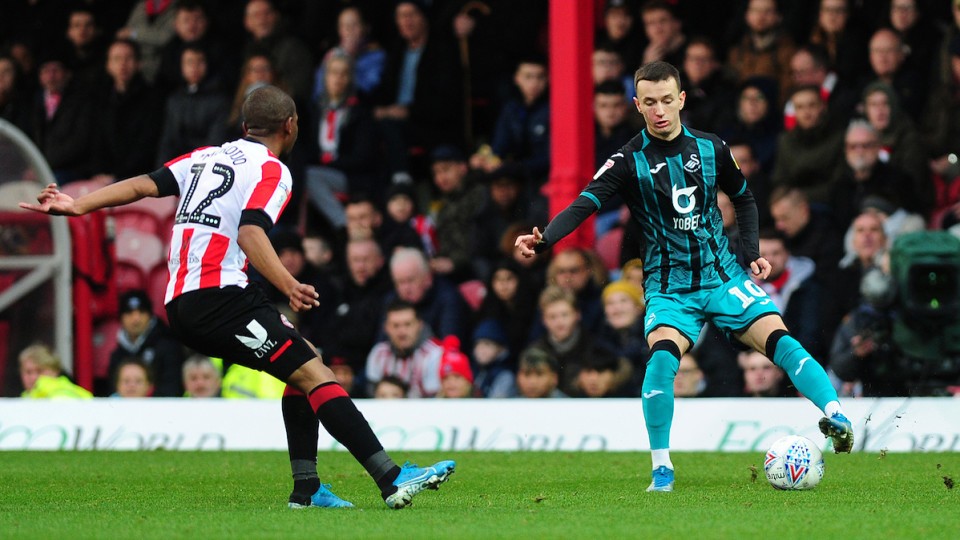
[(421, 370), (217, 184)]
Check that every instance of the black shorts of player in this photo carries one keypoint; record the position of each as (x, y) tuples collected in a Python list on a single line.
[(241, 326)]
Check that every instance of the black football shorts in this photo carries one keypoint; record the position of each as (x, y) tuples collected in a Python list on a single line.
[(241, 326)]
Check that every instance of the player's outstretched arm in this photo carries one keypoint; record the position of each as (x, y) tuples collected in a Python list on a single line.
[(256, 245), (54, 202), (527, 243)]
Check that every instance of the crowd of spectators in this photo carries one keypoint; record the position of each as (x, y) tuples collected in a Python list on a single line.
[(425, 133)]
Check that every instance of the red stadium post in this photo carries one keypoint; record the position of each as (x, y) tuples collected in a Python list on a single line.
[(571, 113)]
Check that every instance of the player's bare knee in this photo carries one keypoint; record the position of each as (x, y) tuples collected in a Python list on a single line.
[(311, 375)]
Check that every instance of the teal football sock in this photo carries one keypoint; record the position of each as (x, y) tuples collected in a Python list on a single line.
[(804, 371), (658, 393)]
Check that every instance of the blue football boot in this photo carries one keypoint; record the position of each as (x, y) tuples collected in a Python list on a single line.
[(662, 479), (839, 430), (323, 498), (413, 479)]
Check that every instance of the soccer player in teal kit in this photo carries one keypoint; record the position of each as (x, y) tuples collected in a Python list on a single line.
[(669, 175)]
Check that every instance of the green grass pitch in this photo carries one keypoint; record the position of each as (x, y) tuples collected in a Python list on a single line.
[(210, 495)]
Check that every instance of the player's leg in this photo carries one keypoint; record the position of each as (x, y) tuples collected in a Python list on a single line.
[(666, 347), (769, 336), (341, 418), (302, 426)]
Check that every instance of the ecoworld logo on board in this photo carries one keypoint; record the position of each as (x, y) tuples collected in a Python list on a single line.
[(59, 437)]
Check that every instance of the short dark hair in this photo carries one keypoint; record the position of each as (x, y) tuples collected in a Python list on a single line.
[(536, 59), (770, 233), (658, 5), (401, 305), (134, 46), (806, 88), (657, 71), (609, 87), (266, 109)]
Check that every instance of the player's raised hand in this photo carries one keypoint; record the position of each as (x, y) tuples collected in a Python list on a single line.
[(527, 242), (760, 268), (52, 201), (303, 297)]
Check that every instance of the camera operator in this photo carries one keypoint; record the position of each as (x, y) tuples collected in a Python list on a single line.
[(863, 348)]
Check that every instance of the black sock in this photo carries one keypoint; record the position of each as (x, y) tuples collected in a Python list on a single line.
[(302, 427), (340, 417)]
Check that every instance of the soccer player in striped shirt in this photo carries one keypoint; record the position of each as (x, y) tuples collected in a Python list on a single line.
[(669, 176), (230, 196)]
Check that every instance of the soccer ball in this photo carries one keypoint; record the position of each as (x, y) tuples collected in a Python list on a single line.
[(794, 463)]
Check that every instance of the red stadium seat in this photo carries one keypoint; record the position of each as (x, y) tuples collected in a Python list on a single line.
[(104, 342), (138, 253), (473, 292), (608, 248), (157, 289), (82, 187), (154, 216)]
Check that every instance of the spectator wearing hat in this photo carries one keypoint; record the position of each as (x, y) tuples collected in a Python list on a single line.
[(622, 328), (456, 377), (459, 203), (491, 356), (62, 119), (145, 337), (538, 375), (419, 103)]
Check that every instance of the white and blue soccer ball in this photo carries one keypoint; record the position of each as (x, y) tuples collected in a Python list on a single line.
[(794, 463)]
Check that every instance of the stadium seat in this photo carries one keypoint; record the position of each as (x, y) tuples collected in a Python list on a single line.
[(18, 191), (138, 253), (82, 187), (157, 288), (473, 292), (154, 216), (608, 248), (104, 342)]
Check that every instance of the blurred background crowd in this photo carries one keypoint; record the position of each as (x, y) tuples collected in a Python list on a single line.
[(424, 149)]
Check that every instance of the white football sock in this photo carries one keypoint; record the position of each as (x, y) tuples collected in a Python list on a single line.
[(661, 458)]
